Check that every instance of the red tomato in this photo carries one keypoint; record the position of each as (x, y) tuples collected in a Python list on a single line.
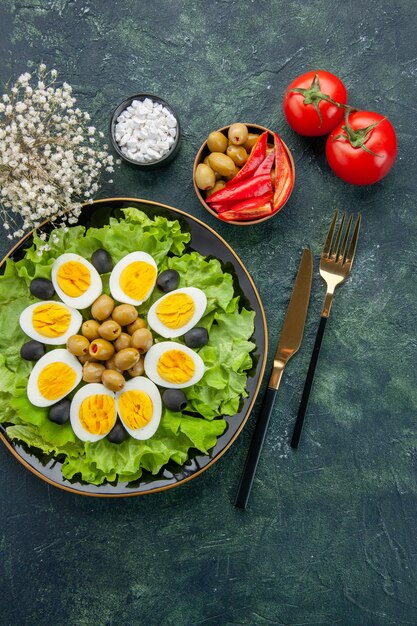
[(307, 103), (363, 150)]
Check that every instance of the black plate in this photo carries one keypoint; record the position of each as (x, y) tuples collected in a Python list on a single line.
[(209, 243)]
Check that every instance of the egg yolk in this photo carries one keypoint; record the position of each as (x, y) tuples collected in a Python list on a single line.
[(73, 278), (97, 414), (176, 310), (137, 279), (175, 366), (56, 380), (51, 320), (136, 408)]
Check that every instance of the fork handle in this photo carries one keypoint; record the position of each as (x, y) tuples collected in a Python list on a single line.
[(308, 384)]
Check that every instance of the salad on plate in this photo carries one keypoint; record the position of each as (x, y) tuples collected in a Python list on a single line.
[(120, 349)]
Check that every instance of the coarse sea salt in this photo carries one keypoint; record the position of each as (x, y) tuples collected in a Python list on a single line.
[(145, 131)]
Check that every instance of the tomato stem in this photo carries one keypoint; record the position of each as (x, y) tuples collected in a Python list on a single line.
[(358, 137), (313, 95)]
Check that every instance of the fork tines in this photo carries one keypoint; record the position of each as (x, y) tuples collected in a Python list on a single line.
[(335, 250)]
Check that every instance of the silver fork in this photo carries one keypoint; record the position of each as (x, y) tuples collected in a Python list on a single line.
[(335, 267)]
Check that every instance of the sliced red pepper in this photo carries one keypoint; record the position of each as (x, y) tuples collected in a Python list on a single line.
[(255, 159), (249, 188), (266, 166), (283, 175), (251, 209), (249, 203)]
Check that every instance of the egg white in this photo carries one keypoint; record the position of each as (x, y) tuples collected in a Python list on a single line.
[(26, 325), (92, 293), (154, 354), (60, 355), (140, 383), (92, 389), (200, 302), (114, 283)]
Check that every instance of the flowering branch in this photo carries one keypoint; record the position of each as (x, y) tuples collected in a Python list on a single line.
[(49, 162)]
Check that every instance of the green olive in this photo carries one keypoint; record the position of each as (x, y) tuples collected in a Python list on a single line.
[(101, 349), (110, 330), (102, 308), (127, 358), (238, 154), (123, 341), (78, 345), (142, 340), (233, 174), (90, 329), (238, 134), (139, 323), (219, 185), (221, 163), (124, 314), (113, 380), (110, 364), (206, 162), (92, 372), (250, 141), (217, 142), (138, 368), (204, 177), (86, 357)]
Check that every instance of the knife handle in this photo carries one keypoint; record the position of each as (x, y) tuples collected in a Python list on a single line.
[(255, 448), (308, 384)]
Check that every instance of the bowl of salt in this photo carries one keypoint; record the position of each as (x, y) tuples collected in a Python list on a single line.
[(145, 131)]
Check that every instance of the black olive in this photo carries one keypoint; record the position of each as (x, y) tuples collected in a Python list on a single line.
[(42, 288), (32, 350), (174, 399), (196, 337), (60, 412), (168, 280), (118, 433), (102, 261)]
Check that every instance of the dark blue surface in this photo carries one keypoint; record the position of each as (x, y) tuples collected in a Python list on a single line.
[(330, 534)]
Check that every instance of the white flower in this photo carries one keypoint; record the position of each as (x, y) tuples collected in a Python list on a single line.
[(24, 78), (47, 160)]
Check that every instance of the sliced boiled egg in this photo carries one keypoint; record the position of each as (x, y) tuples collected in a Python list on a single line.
[(133, 278), (93, 412), (177, 312), (54, 376), (139, 407), (50, 322), (171, 364), (76, 280)]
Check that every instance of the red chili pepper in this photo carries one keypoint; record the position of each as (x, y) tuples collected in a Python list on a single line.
[(250, 203), (283, 175), (256, 157), (251, 209), (252, 187), (266, 166)]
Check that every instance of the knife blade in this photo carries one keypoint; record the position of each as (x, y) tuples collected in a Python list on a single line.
[(289, 342)]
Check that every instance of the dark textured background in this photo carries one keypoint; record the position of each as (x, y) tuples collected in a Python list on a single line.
[(330, 535)]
